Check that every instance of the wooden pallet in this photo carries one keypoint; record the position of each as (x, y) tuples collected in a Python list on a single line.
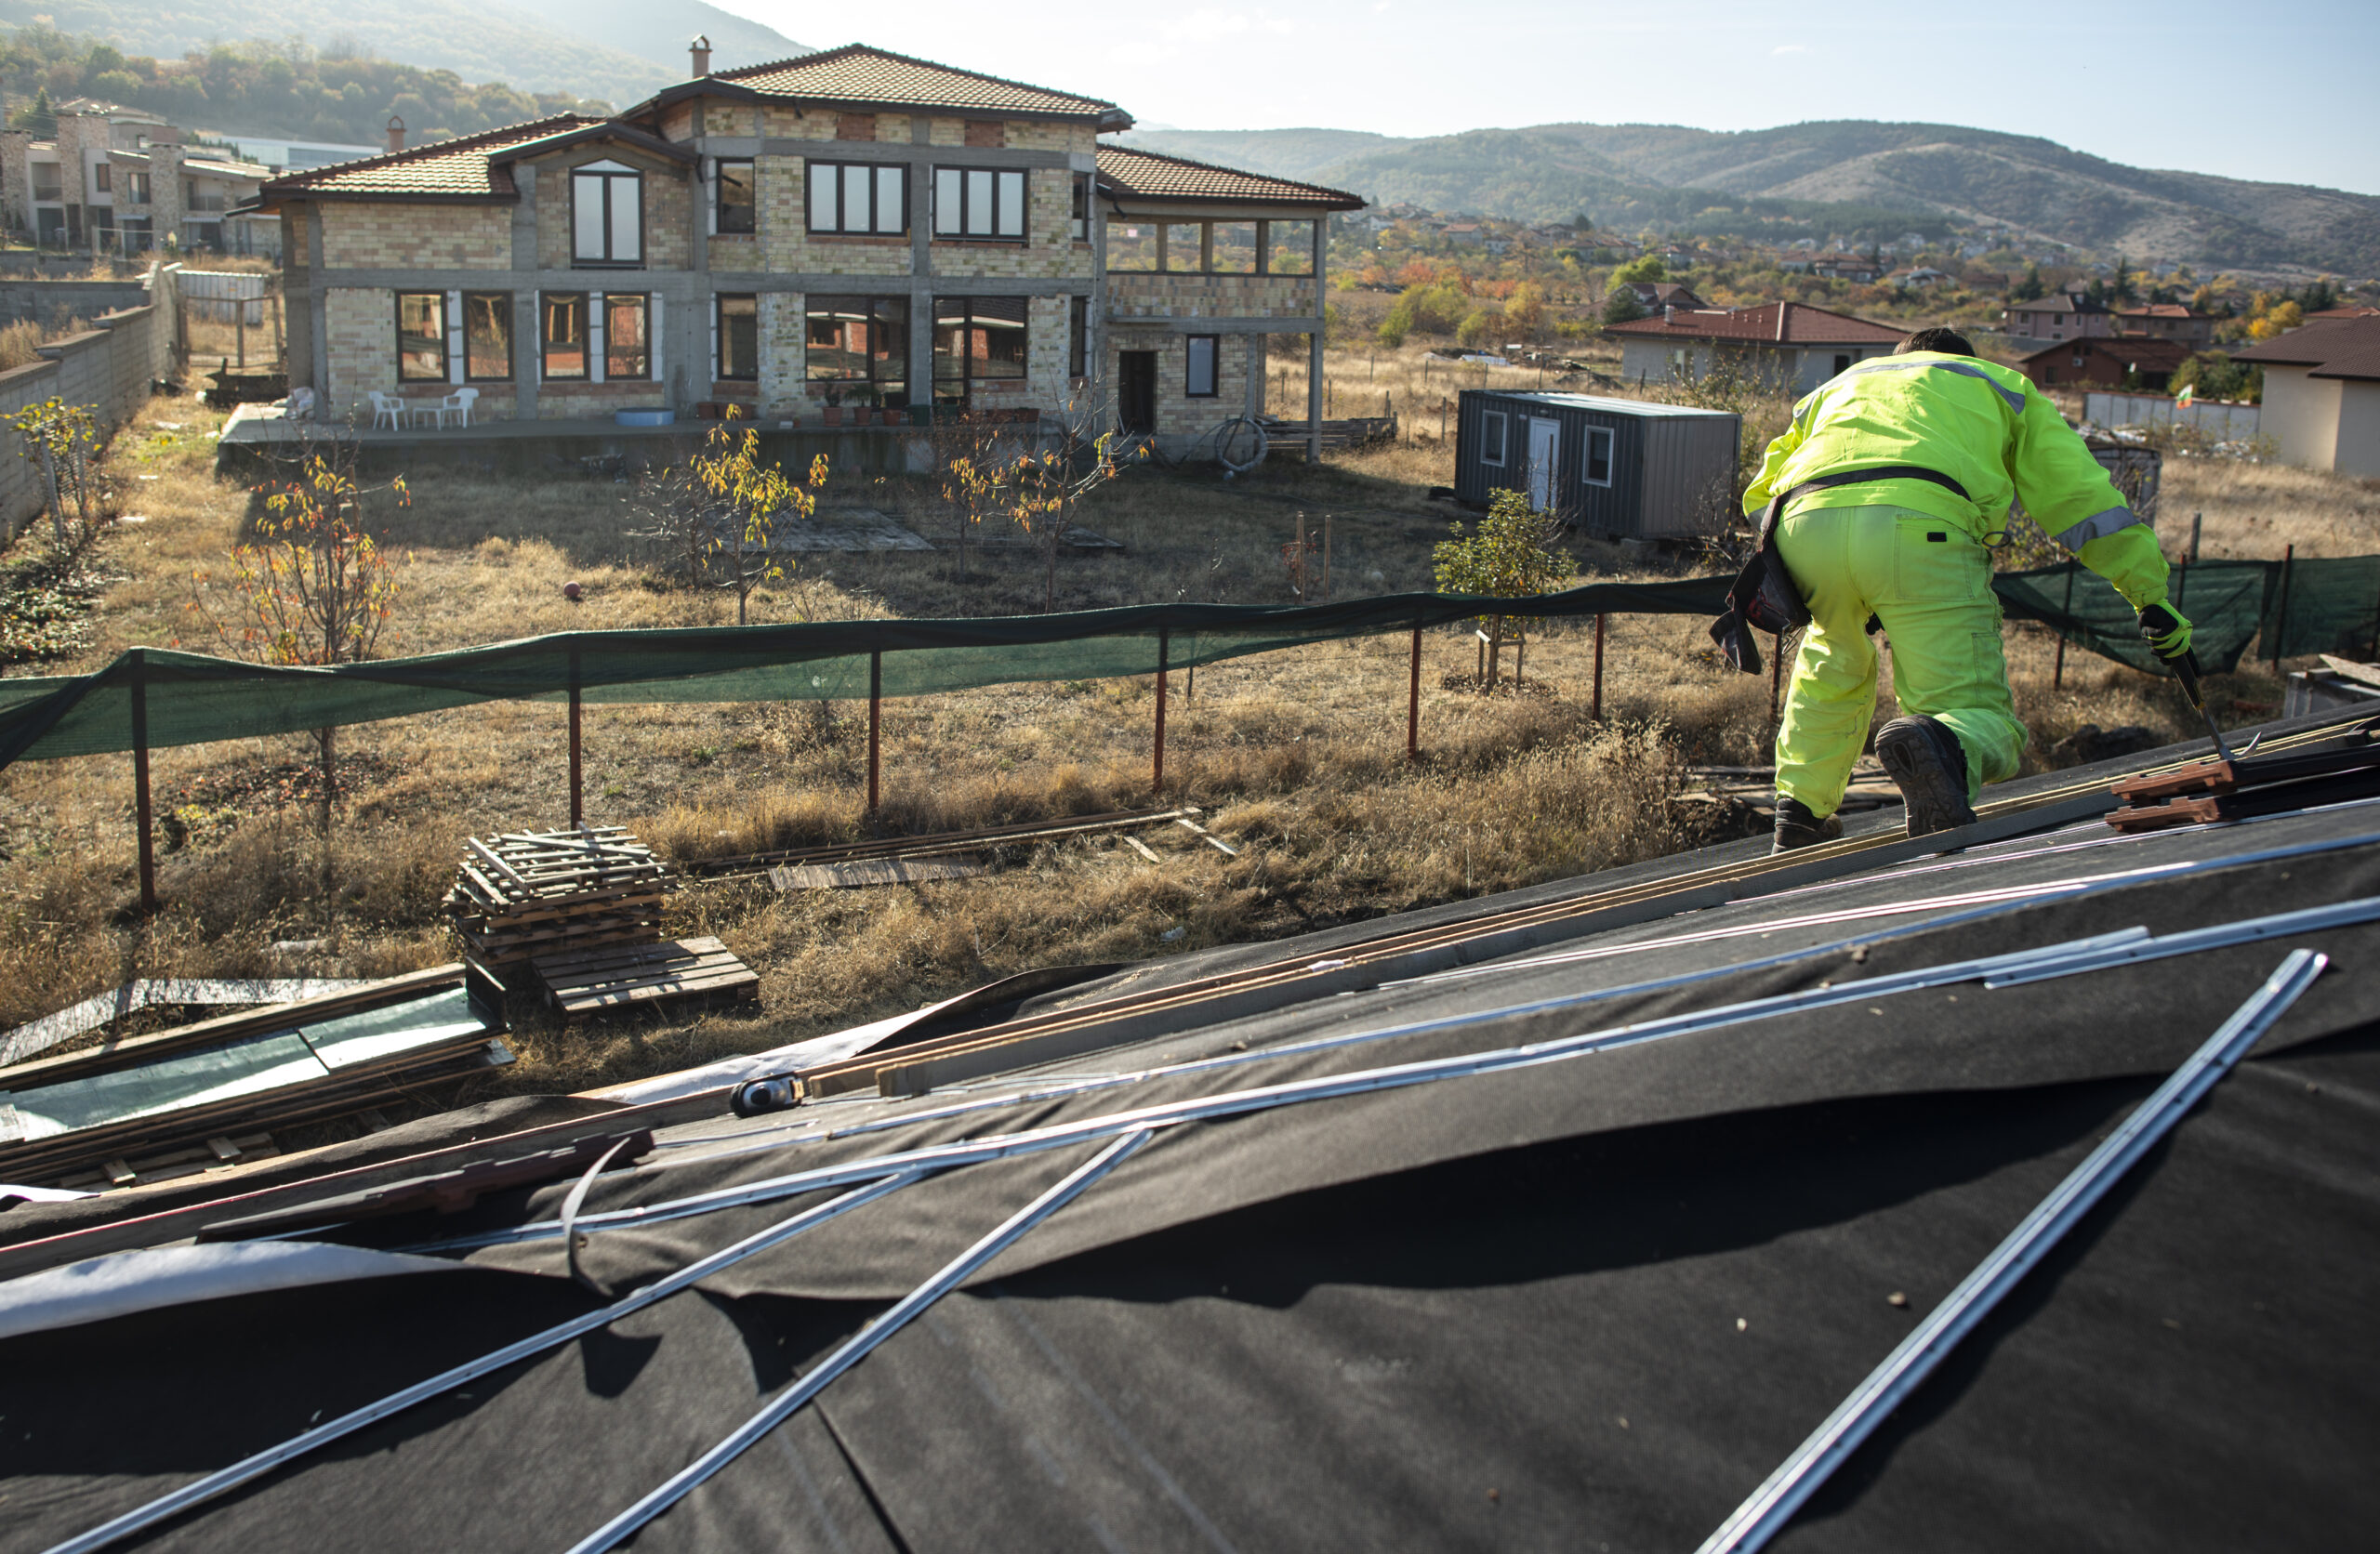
[(598, 981), (875, 871), (526, 893)]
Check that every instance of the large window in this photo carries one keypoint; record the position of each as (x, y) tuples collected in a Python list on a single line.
[(858, 197), (860, 340), (487, 336), (607, 215), (421, 336), (739, 338), (1288, 248), (1132, 247), (562, 332), (976, 339), (1199, 380), (979, 203), (738, 197), (1186, 247), (627, 335), (1232, 249)]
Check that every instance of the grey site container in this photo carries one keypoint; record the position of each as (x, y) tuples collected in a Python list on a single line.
[(1621, 469)]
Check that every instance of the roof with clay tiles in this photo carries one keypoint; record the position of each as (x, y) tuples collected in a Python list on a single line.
[(1146, 176), (463, 168), (860, 77), (1800, 326)]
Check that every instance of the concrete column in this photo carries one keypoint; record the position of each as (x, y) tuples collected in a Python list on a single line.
[(1314, 352), (921, 264), (525, 303)]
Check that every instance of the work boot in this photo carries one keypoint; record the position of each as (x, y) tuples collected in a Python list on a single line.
[(1927, 763), (1796, 828)]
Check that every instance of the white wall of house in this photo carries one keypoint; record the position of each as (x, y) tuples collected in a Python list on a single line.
[(2302, 412), (2358, 435)]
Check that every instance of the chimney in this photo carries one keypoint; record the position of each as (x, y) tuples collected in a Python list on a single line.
[(396, 133), (700, 49), (1669, 312)]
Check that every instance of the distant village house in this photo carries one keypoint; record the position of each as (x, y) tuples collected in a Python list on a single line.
[(2322, 394), (1791, 345), (2123, 361), (117, 181)]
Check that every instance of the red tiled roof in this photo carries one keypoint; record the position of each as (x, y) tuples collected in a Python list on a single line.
[(1147, 175), (457, 169), (2156, 310), (2333, 347), (1802, 325), (865, 77), (2133, 350), (2351, 310)]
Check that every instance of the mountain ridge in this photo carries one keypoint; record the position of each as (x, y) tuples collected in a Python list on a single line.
[(1867, 172)]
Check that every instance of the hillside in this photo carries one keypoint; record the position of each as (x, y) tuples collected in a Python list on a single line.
[(1849, 176), (612, 49)]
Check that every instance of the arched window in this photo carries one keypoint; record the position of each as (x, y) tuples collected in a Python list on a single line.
[(607, 214)]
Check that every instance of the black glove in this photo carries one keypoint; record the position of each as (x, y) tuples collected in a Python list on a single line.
[(2167, 632)]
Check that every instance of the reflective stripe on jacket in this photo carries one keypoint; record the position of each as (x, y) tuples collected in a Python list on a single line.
[(1986, 427)]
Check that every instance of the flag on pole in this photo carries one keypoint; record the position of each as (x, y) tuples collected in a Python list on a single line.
[(2182, 400)]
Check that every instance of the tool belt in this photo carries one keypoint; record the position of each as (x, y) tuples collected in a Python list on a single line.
[(1764, 595)]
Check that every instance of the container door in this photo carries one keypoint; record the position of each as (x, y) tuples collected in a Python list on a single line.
[(1544, 452)]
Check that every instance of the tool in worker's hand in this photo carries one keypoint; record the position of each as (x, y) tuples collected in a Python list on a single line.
[(2162, 626)]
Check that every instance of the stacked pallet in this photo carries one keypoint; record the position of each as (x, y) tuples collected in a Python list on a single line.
[(544, 892), (581, 983)]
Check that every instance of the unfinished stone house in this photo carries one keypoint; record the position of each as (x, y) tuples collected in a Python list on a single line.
[(842, 238), (117, 180)]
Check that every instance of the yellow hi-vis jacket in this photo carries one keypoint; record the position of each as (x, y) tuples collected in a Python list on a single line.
[(1987, 427)]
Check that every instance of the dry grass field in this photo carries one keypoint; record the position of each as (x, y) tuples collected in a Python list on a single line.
[(1298, 756)]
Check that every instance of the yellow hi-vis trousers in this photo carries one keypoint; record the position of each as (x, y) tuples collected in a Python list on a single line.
[(1929, 581)]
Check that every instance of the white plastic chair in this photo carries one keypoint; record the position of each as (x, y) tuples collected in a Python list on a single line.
[(458, 404), (392, 406)]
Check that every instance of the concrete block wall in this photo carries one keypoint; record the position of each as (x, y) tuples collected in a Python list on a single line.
[(371, 236), (111, 369), (51, 303), (360, 329), (1215, 296), (1180, 418)]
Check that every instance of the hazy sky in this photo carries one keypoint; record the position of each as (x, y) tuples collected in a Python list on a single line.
[(2284, 95)]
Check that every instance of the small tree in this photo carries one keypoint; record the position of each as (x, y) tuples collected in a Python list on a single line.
[(314, 586), (1050, 481), (1510, 555), (745, 494), (1622, 306), (59, 439)]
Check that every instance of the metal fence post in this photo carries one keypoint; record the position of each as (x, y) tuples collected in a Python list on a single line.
[(578, 806), (2280, 624), (875, 722), (1594, 710), (1413, 702), (2057, 676), (141, 813), (1156, 775)]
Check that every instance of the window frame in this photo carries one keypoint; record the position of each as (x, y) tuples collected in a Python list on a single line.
[(966, 379), (1190, 344), (1603, 435), (1502, 440), (719, 188), (719, 336), (442, 375), (1079, 339), (895, 375), (546, 373), (606, 173), (642, 301), (965, 174), (102, 176), (876, 171), (503, 313), (1078, 221)]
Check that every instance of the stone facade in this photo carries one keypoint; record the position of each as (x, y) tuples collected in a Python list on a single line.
[(376, 236), (668, 197), (1180, 418), (1194, 297), (360, 332)]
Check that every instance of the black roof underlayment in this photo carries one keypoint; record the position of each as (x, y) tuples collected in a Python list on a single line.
[(1590, 1303)]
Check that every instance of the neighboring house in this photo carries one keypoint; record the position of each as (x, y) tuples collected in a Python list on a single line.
[(2322, 394), (2350, 310), (1663, 293), (853, 231), (1467, 232), (2167, 321), (115, 180), (1926, 276), (2109, 363), (2059, 316), (1847, 267), (1789, 344)]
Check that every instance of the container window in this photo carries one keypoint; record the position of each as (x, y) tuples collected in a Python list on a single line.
[(1599, 455), (1491, 437)]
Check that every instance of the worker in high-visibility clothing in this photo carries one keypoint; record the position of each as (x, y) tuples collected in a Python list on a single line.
[(1912, 556)]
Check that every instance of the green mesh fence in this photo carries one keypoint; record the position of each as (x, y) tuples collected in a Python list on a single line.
[(191, 699)]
